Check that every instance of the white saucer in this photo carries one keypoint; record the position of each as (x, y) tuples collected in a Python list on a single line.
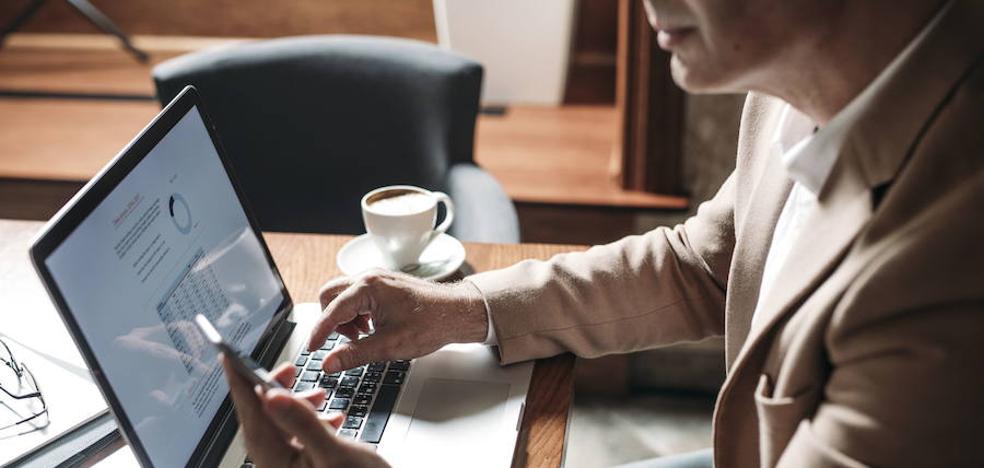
[(440, 259)]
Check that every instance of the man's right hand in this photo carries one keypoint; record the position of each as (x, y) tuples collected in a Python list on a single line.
[(411, 317)]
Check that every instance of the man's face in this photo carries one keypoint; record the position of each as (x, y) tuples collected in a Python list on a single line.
[(736, 45)]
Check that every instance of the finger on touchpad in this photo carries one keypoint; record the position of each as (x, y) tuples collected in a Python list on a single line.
[(458, 416)]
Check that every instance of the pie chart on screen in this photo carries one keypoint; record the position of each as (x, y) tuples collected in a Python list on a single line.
[(180, 213)]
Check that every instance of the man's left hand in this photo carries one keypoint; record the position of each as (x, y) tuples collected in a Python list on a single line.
[(282, 429)]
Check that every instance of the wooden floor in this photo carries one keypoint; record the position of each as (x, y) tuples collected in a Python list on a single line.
[(610, 431), (543, 155), (254, 18), (89, 63)]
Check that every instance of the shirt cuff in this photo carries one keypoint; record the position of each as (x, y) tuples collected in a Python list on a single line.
[(490, 338)]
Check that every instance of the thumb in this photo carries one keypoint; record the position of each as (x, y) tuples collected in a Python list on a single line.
[(334, 419), (355, 354), (296, 418)]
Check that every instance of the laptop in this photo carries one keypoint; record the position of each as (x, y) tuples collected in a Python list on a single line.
[(163, 233)]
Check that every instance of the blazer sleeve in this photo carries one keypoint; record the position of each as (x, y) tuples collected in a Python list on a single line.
[(640, 292)]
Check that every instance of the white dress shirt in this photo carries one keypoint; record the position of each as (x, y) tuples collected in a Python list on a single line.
[(809, 171), (809, 166)]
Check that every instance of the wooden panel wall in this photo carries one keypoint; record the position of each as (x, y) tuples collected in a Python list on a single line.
[(591, 72), (650, 109), (240, 18)]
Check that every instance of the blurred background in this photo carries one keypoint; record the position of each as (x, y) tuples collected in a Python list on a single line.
[(580, 123)]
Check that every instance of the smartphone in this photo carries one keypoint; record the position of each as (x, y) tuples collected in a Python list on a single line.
[(241, 362)]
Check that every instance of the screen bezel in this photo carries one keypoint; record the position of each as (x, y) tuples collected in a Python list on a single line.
[(86, 200)]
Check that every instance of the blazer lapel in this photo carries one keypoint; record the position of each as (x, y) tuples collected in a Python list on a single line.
[(832, 227), (752, 248)]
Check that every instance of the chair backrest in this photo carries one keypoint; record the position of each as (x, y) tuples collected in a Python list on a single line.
[(313, 123)]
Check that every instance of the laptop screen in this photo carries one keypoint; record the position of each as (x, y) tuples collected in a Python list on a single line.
[(169, 241)]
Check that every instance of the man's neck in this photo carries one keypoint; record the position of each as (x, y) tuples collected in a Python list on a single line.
[(821, 76)]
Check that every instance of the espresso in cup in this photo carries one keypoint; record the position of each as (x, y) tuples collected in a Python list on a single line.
[(401, 203), (400, 219)]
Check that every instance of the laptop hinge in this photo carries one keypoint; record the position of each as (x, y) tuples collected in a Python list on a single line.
[(268, 356)]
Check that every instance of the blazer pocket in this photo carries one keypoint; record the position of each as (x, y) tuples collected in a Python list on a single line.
[(778, 417)]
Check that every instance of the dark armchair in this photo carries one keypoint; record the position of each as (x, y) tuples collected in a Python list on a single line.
[(313, 123)]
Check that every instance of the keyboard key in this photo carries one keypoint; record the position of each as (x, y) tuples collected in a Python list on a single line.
[(324, 405), (313, 365), (399, 365), (376, 367), (328, 381), (302, 386), (379, 414), (300, 361), (297, 372), (309, 376), (362, 399), (373, 377), (344, 392), (347, 433), (356, 371), (339, 403), (328, 346), (393, 378), (359, 411), (319, 355), (305, 352), (336, 374), (352, 422), (367, 388), (333, 336), (349, 381)]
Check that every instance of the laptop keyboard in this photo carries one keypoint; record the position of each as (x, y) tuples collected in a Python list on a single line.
[(365, 395)]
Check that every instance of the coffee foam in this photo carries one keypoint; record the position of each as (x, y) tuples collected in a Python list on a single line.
[(405, 203)]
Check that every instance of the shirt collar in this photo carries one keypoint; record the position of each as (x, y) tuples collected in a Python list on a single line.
[(792, 139)]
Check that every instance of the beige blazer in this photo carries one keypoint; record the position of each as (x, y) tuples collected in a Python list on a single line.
[(871, 347)]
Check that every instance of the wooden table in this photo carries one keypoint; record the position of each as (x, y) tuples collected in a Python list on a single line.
[(307, 260)]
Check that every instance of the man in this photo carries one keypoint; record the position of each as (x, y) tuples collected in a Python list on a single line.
[(841, 260)]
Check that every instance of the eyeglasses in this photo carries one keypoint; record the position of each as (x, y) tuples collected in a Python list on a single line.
[(18, 382)]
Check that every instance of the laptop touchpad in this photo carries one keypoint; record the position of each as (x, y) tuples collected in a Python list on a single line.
[(457, 416)]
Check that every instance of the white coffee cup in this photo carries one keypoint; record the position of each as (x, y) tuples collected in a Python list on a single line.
[(400, 219)]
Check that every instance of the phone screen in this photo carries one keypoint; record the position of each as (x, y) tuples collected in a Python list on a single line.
[(240, 361)]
